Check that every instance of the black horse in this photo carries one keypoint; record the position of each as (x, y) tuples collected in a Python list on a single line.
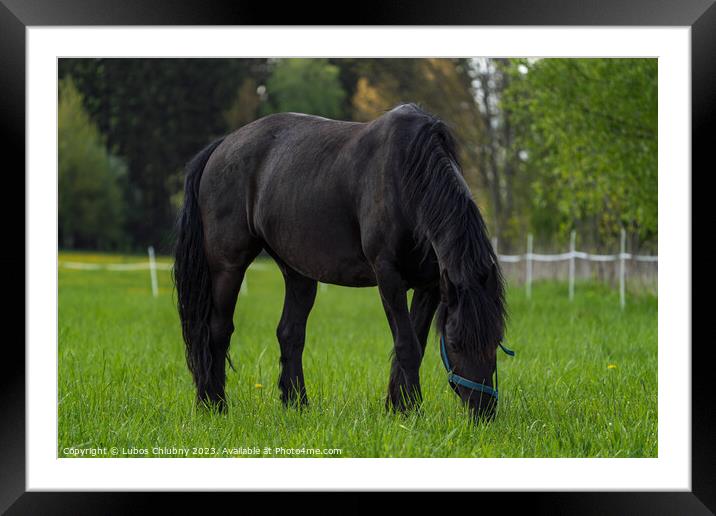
[(355, 204)]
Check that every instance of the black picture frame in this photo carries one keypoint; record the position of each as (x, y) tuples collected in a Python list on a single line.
[(17, 15)]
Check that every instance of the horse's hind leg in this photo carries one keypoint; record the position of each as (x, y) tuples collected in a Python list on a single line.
[(226, 279), (291, 333), (422, 310)]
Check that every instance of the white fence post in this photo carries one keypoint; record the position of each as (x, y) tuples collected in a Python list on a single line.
[(153, 271), (529, 266), (572, 249), (622, 270)]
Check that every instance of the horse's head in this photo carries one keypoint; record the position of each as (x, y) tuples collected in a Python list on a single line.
[(471, 324)]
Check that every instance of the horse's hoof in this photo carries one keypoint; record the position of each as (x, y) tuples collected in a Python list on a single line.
[(399, 401), (401, 406), (215, 405)]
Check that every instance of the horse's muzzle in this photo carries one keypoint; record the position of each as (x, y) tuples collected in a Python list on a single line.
[(483, 407)]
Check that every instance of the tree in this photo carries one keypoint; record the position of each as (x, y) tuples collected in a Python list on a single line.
[(245, 106), (156, 114), (305, 86), (589, 134), (90, 212)]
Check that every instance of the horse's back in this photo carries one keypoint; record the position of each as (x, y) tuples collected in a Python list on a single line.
[(309, 188)]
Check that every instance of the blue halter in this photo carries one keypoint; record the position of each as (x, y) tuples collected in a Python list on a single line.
[(459, 380)]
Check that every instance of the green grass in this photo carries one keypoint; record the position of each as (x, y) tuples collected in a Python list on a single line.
[(123, 381)]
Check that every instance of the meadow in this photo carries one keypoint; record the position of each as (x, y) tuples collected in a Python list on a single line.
[(583, 382)]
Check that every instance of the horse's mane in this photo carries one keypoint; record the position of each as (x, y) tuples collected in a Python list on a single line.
[(447, 219)]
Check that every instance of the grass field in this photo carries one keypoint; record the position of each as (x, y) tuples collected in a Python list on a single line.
[(583, 382)]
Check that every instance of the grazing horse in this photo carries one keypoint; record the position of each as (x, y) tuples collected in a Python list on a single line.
[(355, 204)]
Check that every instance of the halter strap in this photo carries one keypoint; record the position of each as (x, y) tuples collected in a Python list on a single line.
[(460, 380)]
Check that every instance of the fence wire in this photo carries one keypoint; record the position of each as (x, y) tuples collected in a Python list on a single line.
[(639, 271)]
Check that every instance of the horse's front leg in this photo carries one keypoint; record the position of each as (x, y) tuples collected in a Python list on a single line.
[(404, 385), (291, 333)]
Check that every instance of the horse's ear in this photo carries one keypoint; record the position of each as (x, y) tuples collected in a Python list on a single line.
[(448, 292)]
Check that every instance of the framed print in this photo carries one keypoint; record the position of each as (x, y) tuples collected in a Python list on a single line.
[(317, 242)]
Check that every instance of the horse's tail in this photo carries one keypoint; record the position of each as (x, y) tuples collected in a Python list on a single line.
[(191, 275)]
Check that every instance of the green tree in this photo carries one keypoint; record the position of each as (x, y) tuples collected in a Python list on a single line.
[(305, 86), (500, 166), (91, 213), (590, 141), (156, 114)]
